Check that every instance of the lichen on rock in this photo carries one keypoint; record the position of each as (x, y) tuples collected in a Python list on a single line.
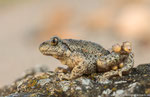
[(47, 84)]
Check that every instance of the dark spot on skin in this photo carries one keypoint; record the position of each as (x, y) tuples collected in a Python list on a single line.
[(79, 67), (74, 74), (85, 44), (116, 60), (82, 46), (110, 58), (74, 71), (105, 74)]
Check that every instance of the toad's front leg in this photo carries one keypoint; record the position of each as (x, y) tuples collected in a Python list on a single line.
[(80, 69), (62, 70)]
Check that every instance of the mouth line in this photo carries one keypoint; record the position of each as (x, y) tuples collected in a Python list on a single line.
[(45, 53), (49, 54)]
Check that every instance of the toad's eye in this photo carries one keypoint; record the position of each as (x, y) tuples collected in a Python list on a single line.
[(54, 41)]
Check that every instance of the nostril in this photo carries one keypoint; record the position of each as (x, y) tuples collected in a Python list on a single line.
[(44, 43), (43, 46)]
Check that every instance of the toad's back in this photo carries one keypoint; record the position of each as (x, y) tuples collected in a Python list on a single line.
[(85, 47)]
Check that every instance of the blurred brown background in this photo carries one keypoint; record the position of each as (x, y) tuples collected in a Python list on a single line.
[(24, 24)]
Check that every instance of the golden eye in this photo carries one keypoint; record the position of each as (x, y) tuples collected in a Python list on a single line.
[(54, 41)]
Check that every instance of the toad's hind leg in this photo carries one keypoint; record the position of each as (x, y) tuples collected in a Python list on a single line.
[(118, 54), (128, 64)]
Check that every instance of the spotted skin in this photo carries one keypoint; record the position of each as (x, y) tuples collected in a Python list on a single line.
[(128, 64), (85, 57)]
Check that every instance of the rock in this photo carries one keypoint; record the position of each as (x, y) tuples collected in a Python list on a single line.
[(47, 84)]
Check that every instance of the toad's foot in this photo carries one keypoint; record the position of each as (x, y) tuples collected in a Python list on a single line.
[(63, 76), (61, 70), (102, 79)]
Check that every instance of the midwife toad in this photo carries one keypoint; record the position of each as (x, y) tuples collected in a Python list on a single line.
[(85, 57)]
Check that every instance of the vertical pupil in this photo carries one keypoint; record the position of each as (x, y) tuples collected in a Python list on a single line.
[(54, 40)]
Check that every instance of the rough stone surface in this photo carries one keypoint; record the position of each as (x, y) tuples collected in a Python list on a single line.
[(45, 83)]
